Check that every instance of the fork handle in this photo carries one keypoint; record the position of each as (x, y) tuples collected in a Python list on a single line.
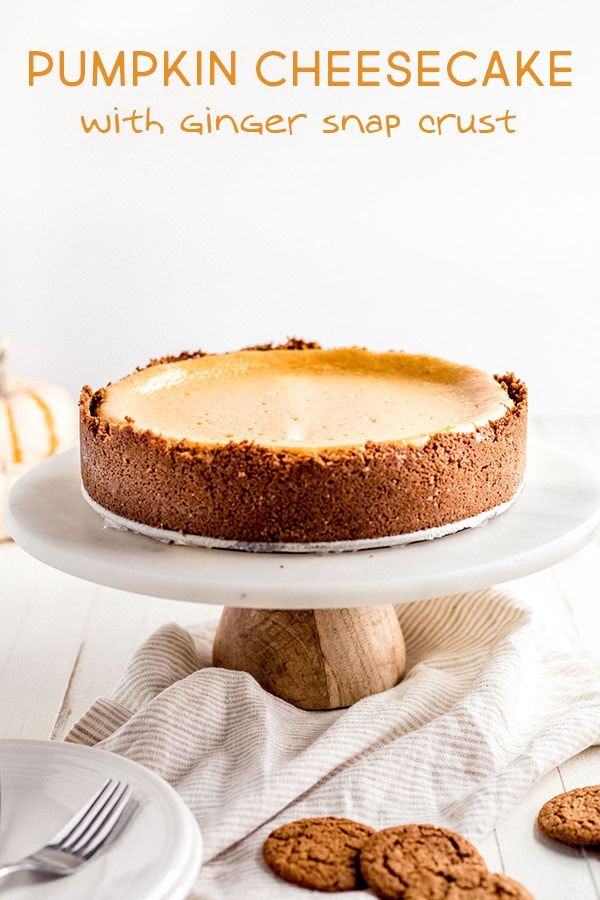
[(11, 868)]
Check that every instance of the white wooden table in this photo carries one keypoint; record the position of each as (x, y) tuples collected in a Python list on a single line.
[(64, 642)]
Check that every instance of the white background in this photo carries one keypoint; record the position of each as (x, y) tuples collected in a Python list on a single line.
[(479, 248)]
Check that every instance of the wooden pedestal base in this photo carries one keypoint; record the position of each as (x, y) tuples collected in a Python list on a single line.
[(315, 659)]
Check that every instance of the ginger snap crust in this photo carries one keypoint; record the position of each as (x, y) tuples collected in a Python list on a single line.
[(463, 882), (391, 859), (573, 817), (320, 854)]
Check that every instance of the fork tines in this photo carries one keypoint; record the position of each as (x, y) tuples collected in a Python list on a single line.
[(89, 828)]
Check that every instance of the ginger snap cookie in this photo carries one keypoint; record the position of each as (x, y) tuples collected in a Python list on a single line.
[(463, 882), (390, 859), (321, 854), (573, 817)]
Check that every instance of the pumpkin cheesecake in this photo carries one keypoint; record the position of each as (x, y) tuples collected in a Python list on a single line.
[(296, 447)]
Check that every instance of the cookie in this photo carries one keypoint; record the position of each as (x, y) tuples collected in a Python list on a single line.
[(390, 858), (321, 854), (574, 817), (463, 882)]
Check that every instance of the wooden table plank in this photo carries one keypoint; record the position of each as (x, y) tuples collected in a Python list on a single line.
[(578, 580), (42, 632), (137, 617), (584, 769), (549, 872), (490, 851)]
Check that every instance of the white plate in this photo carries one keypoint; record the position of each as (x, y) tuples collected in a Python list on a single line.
[(155, 857), (557, 513)]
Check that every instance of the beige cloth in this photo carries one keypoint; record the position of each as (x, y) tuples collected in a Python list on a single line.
[(492, 700)]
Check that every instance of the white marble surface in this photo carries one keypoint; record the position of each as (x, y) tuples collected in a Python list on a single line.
[(558, 510), (63, 642)]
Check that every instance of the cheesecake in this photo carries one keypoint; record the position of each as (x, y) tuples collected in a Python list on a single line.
[(296, 447)]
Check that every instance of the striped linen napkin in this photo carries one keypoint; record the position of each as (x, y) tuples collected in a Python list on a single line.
[(492, 700)]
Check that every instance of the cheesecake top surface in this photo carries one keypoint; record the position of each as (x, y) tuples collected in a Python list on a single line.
[(305, 399)]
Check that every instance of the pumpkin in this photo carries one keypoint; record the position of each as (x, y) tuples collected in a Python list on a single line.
[(36, 420)]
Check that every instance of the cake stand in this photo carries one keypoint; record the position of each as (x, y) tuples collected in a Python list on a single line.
[(318, 630)]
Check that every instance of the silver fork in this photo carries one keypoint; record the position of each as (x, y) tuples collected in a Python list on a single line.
[(82, 837)]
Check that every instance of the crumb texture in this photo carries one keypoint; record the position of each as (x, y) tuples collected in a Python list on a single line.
[(463, 882), (320, 854), (392, 859), (573, 817)]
